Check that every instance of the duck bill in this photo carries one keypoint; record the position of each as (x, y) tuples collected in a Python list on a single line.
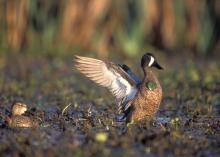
[(157, 66)]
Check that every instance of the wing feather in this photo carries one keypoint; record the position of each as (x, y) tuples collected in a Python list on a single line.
[(108, 75)]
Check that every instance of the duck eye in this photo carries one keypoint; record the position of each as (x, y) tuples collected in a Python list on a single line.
[(151, 85)]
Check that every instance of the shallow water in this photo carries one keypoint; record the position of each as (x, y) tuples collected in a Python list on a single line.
[(77, 118)]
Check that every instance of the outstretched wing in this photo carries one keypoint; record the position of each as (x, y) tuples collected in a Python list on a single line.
[(108, 75)]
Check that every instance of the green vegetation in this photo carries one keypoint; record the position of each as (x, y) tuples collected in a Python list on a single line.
[(105, 27)]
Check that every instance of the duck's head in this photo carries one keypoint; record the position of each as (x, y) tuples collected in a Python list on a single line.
[(148, 60)]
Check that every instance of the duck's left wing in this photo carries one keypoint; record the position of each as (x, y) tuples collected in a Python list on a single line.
[(110, 75)]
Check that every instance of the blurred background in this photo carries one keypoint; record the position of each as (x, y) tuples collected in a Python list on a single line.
[(108, 27)]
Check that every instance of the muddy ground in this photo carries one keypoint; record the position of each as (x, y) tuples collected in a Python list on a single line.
[(77, 118)]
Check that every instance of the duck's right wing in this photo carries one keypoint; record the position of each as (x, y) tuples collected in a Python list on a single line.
[(109, 75)]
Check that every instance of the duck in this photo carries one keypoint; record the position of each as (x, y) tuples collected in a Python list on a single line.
[(137, 99), (18, 119)]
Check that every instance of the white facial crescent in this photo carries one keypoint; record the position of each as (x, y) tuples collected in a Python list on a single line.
[(151, 61)]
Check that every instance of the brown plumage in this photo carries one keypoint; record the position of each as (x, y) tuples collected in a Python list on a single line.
[(19, 121), (137, 99), (147, 101), (19, 108)]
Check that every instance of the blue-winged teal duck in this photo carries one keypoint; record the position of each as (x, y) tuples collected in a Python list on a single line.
[(137, 99), (19, 120)]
